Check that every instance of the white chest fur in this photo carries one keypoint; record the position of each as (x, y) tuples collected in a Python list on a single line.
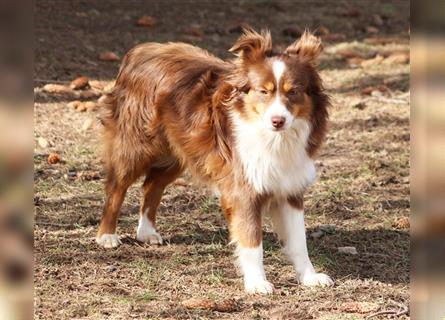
[(275, 162)]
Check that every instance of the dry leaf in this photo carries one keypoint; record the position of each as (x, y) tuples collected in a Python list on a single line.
[(74, 104), (79, 83), (109, 87), (90, 105), (348, 53), (81, 107), (98, 85), (352, 13), (108, 56), (401, 223), (88, 94), (181, 182), (377, 20), (397, 58), (394, 80), (146, 21), (322, 31), (369, 90), (358, 307), (355, 61), (371, 62), (360, 105), (91, 175), (53, 158), (382, 40), (371, 29), (199, 303), (194, 31), (228, 305), (57, 88), (334, 37)]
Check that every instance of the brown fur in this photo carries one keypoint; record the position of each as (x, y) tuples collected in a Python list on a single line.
[(169, 111)]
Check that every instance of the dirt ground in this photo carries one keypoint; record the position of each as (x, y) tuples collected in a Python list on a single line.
[(362, 191)]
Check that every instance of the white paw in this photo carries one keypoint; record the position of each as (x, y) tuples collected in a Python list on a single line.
[(258, 286), (108, 240), (146, 232), (152, 238), (316, 279)]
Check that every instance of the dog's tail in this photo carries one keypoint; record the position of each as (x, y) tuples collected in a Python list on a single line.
[(106, 107)]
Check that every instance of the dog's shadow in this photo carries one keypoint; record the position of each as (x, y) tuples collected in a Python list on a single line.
[(383, 254)]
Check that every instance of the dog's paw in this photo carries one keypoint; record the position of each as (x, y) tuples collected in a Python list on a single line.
[(316, 279), (146, 232), (108, 240), (258, 286), (151, 238)]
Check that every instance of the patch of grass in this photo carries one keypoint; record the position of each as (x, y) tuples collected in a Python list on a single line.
[(180, 259), (214, 248), (215, 277), (387, 9), (147, 271), (270, 245), (124, 300), (210, 205), (321, 261), (146, 297)]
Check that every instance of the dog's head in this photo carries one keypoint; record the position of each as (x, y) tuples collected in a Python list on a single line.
[(278, 88)]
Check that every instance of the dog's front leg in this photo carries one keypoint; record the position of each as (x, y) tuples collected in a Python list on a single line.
[(288, 221), (250, 260), (246, 231)]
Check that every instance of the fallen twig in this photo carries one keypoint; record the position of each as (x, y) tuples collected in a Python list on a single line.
[(397, 313), (381, 313), (43, 223), (69, 198)]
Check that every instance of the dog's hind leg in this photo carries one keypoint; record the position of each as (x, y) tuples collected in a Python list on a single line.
[(156, 181), (122, 171), (115, 193)]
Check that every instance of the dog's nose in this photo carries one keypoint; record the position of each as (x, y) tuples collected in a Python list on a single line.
[(278, 122)]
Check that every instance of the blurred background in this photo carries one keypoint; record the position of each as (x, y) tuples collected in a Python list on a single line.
[(363, 193), (428, 159)]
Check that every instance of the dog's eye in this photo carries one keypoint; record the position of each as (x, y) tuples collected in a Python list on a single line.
[(263, 91), (294, 92)]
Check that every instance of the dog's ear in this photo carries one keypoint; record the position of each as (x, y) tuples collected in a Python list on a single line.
[(307, 47), (252, 46)]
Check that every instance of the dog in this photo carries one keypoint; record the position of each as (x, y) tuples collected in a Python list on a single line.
[(249, 128)]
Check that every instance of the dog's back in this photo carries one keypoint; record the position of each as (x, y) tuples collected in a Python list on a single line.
[(153, 70), (155, 81)]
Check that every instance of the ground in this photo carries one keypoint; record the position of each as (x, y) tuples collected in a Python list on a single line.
[(362, 189)]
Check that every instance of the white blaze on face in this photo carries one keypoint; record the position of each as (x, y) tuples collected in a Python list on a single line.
[(278, 70), (277, 108)]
